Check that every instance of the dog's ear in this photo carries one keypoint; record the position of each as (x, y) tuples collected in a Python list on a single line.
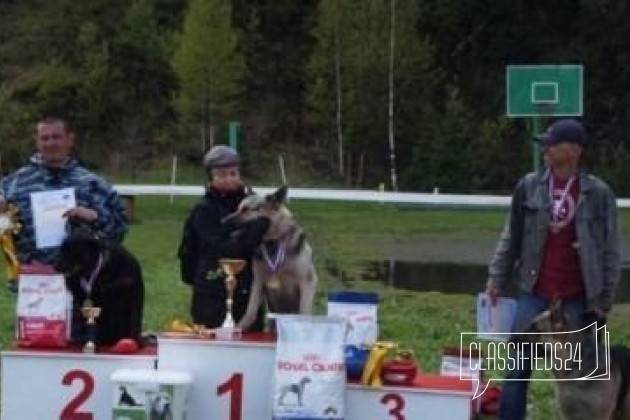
[(535, 326), (279, 196), (557, 317), (556, 307)]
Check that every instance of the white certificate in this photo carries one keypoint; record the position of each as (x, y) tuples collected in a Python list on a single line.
[(495, 321), (48, 208)]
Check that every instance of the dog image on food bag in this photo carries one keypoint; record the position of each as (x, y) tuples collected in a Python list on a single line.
[(105, 275), (283, 271)]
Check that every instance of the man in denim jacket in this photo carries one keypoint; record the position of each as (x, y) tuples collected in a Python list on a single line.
[(562, 239), (53, 167)]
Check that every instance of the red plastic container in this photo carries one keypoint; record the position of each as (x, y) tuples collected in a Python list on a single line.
[(399, 371)]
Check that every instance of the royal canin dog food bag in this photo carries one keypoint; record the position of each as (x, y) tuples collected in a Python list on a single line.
[(43, 308), (360, 311), (310, 374)]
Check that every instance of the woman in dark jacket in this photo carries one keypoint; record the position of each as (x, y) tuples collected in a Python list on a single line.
[(206, 239)]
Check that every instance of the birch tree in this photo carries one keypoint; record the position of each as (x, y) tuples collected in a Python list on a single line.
[(351, 72), (209, 67)]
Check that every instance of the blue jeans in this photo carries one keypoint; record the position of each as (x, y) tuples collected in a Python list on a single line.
[(513, 404)]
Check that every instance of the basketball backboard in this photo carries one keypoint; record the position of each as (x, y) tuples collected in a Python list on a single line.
[(544, 90)]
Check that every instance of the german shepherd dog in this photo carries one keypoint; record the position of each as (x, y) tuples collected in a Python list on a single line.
[(282, 266), (111, 278), (585, 399)]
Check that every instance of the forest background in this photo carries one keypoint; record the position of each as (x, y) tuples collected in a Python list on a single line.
[(144, 80)]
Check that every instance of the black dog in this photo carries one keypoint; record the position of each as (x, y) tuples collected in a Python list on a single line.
[(114, 280)]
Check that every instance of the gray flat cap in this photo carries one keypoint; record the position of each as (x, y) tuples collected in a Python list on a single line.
[(221, 156)]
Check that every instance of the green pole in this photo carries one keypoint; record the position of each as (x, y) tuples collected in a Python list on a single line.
[(233, 134), (535, 144)]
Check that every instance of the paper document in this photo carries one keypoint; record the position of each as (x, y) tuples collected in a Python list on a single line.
[(492, 319), (460, 366), (48, 208)]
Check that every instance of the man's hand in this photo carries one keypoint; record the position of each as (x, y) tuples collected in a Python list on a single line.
[(82, 213), (492, 290)]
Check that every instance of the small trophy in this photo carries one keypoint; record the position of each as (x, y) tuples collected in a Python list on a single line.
[(231, 267), (90, 312)]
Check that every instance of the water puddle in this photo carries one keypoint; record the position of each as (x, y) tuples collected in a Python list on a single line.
[(440, 277)]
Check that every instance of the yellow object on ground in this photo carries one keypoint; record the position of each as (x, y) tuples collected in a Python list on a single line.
[(11, 261), (372, 370), (178, 325), (9, 226)]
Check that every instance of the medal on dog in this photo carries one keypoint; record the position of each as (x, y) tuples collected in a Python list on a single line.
[(274, 264), (88, 284), (273, 282)]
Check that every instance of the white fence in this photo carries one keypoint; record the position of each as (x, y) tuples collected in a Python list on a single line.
[(423, 199)]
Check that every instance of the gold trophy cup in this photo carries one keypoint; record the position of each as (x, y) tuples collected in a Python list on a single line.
[(231, 267), (90, 312)]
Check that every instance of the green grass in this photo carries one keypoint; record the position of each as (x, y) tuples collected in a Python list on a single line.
[(346, 233)]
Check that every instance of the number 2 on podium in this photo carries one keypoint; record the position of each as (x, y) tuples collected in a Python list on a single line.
[(70, 412)]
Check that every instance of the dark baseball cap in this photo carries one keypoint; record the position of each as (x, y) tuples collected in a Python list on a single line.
[(566, 130)]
